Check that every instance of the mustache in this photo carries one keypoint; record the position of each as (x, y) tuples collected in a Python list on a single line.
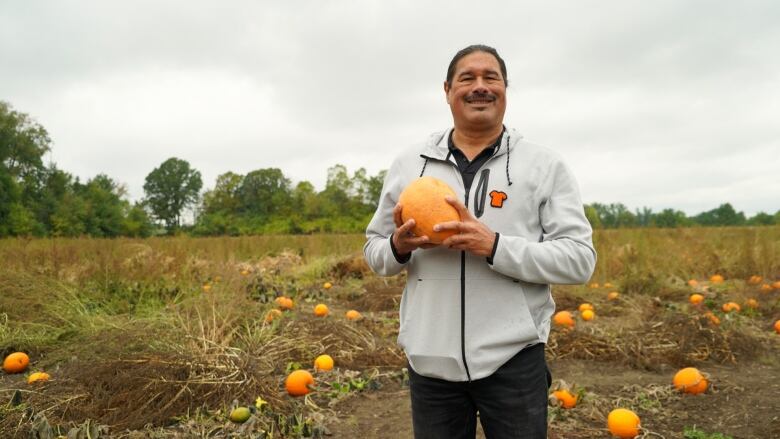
[(477, 96)]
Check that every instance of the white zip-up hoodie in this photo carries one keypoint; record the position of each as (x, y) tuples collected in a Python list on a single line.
[(461, 317)]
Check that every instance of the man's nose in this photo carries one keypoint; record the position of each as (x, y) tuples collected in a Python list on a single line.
[(480, 85)]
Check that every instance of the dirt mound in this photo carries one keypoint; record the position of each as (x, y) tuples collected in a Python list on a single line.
[(353, 266)]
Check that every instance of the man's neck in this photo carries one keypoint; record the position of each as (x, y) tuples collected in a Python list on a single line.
[(472, 142)]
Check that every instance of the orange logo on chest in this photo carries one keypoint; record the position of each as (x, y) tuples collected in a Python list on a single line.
[(497, 198)]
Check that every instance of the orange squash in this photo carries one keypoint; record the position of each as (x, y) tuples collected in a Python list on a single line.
[(623, 423), (321, 310), (690, 380), (423, 200), (298, 382), (16, 362), (353, 315), (563, 318), (696, 299), (323, 362), (565, 399)]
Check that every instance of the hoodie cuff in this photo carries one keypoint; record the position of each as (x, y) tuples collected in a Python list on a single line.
[(492, 254), (402, 259)]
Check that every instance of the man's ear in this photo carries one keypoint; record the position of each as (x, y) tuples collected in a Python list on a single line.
[(447, 91)]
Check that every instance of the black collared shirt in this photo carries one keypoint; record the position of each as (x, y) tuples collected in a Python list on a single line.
[(468, 169)]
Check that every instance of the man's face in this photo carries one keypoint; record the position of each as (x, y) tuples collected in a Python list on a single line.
[(477, 94)]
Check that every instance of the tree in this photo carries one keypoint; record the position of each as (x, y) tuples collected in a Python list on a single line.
[(225, 196), (723, 215), (670, 218), (171, 188), (23, 142), (265, 192)]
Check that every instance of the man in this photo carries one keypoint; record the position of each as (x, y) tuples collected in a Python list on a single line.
[(476, 310)]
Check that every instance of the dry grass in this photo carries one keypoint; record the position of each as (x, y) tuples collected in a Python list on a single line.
[(135, 343)]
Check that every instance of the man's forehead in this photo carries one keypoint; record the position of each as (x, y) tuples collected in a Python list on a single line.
[(478, 61)]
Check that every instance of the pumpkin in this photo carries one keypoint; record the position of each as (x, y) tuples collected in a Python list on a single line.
[(696, 299), (613, 295), (298, 382), (594, 285), (623, 423), (321, 310), (752, 303), (731, 306), (712, 317), (693, 283), (323, 362), (588, 315), (690, 380), (272, 315), (240, 415), (423, 200), (765, 288), (777, 326), (284, 302), (716, 279), (776, 285), (16, 362), (585, 306), (38, 376), (564, 398), (327, 285), (608, 285), (563, 318), (353, 315), (755, 280)]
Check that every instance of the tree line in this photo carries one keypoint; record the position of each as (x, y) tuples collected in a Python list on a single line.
[(43, 200)]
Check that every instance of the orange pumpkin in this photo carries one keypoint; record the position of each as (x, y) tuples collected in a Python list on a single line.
[(690, 380), (353, 315), (613, 295), (38, 377), (563, 318), (623, 423), (565, 399), (323, 362), (423, 200), (16, 362), (696, 299), (298, 382), (321, 310), (731, 306), (716, 279)]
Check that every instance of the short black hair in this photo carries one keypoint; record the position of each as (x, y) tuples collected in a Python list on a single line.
[(469, 50)]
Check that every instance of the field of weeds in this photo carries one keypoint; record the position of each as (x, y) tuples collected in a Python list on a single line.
[(164, 337)]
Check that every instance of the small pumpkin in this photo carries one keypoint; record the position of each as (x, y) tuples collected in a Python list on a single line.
[(623, 423), (299, 382), (16, 362), (690, 380), (563, 318)]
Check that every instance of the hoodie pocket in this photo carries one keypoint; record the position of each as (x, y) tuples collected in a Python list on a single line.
[(498, 322), (430, 327)]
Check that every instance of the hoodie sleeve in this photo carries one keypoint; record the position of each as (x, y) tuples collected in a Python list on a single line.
[(378, 250), (565, 253)]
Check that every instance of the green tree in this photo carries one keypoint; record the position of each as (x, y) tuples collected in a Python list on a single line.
[(225, 195), (762, 219), (670, 218), (265, 192), (170, 189), (23, 142), (723, 215)]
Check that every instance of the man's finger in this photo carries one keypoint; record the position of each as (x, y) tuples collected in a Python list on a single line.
[(419, 241), (452, 241), (448, 225), (405, 228), (397, 215), (460, 207)]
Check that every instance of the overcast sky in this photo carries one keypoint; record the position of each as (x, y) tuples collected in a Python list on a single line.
[(652, 103)]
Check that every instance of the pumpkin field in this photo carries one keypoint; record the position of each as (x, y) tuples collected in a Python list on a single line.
[(293, 336)]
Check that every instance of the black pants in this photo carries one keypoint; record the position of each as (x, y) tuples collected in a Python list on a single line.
[(512, 402)]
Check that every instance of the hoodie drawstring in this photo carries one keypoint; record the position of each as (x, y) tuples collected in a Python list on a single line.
[(508, 180)]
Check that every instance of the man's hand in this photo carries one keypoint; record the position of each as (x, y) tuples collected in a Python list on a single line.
[(471, 235), (404, 240)]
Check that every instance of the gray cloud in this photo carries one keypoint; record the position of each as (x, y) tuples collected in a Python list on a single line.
[(661, 104)]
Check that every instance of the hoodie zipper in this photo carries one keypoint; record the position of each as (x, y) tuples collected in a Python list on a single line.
[(483, 176)]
